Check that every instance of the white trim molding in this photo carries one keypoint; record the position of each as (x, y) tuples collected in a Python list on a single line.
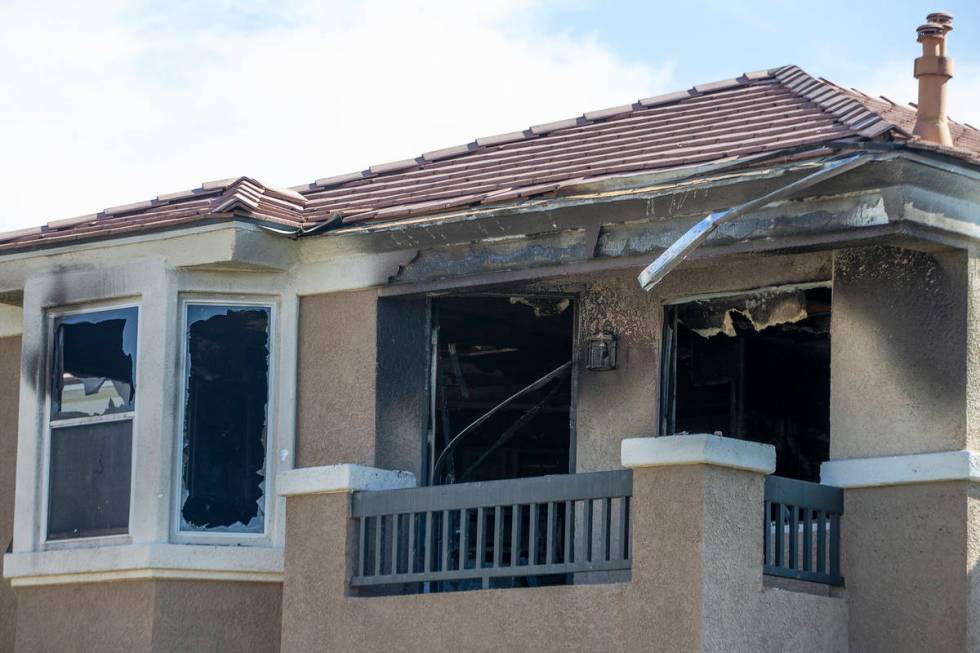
[(144, 561), (699, 449), (902, 470), (341, 478)]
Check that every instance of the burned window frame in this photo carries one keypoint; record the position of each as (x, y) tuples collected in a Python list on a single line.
[(52, 423), (208, 536)]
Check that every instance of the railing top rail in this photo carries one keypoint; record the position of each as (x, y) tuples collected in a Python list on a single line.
[(804, 494), (541, 489)]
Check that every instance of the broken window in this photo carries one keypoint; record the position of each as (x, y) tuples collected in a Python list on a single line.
[(93, 395), (502, 387), (755, 367), (501, 401), (226, 379)]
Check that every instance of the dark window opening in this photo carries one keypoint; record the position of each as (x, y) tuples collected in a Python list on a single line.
[(93, 395), (501, 403), (94, 364), (755, 367), (224, 441)]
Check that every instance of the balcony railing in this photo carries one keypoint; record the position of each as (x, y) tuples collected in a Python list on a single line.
[(802, 530), (493, 533)]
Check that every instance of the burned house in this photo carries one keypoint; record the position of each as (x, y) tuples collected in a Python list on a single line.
[(697, 372)]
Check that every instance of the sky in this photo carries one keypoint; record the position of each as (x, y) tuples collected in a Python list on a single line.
[(115, 101)]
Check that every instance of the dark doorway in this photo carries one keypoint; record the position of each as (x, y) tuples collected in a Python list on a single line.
[(756, 367), (501, 387)]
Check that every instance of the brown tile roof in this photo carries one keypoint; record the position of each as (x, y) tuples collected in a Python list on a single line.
[(759, 112)]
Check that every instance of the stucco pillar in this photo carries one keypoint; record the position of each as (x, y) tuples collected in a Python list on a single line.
[(909, 550), (697, 514), (320, 541), (898, 352)]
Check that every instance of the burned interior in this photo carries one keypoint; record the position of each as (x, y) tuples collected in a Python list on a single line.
[(756, 367), (501, 387)]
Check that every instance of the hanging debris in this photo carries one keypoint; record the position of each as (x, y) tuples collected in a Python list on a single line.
[(710, 317)]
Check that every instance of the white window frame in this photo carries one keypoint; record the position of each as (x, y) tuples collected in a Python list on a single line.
[(51, 317), (264, 538)]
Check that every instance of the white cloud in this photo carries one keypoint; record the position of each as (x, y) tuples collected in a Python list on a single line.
[(115, 101)]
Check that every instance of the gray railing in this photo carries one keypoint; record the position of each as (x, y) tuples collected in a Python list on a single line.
[(802, 530), (514, 531)]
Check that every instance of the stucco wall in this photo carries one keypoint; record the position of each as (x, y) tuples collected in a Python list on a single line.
[(696, 586), (905, 558), (152, 616), (84, 618), (898, 378), (336, 379), (9, 391)]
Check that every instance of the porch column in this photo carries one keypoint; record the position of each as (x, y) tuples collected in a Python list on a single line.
[(697, 523), (321, 542), (904, 375)]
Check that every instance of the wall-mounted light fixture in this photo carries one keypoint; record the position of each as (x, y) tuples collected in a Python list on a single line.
[(602, 352)]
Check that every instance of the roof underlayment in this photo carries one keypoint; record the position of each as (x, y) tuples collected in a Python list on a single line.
[(729, 120)]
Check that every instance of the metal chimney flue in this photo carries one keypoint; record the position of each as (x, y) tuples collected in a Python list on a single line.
[(933, 69)]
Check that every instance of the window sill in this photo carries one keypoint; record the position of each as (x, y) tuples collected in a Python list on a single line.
[(144, 561)]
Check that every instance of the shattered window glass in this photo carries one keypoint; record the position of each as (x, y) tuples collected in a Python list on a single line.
[(94, 364), (224, 435)]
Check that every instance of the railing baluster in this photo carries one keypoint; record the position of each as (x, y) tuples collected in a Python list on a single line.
[(606, 527), (766, 533), (498, 535), (834, 544), (427, 544), (807, 539), (463, 525), (361, 545), (532, 534), (445, 540), (589, 534), (410, 551), (569, 545), (623, 516), (480, 538), (777, 551), (627, 544), (821, 518), (794, 528), (549, 539), (378, 526), (394, 543), (515, 536)]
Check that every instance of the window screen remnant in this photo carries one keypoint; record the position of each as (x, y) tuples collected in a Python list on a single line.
[(756, 367), (89, 488), (226, 406), (94, 363)]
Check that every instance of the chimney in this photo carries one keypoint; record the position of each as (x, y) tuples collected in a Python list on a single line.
[(933, 69)]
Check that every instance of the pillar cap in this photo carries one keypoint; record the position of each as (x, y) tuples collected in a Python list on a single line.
[(340, 478), (699, 449), (963, 465)]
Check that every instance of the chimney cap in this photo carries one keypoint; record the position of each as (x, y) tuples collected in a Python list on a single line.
[(942, 18), (931, 29)]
